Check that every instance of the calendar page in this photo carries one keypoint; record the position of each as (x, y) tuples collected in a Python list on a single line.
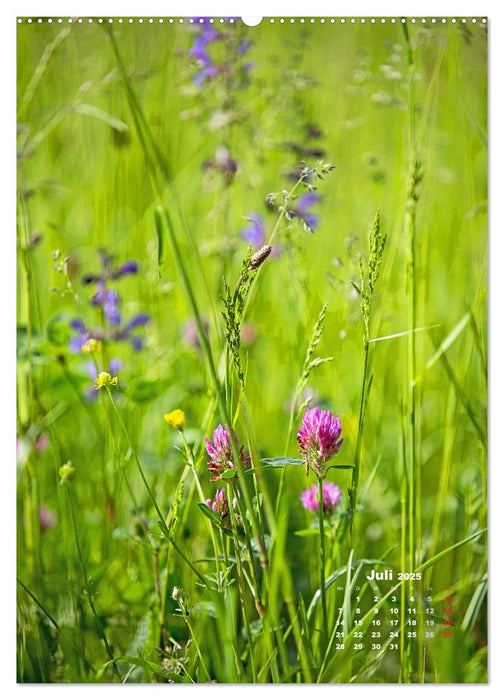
[(252, 350)]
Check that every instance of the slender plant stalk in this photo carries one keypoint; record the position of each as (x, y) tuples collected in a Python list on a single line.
[(241, 589), (263, 614), (248, 540), (358, 441), (196, 645), (325, 626), (159, 596), (369, 274), (185, 613)]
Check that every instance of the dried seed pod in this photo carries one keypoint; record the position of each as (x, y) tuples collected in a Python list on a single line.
[(258, 258)]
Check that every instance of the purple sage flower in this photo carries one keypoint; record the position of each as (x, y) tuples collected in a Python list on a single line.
[(205, 28), (318, 439), (126, 331), (205, 35), (130, 267), (111, 307), (331, 497), (221, 453), (199, 51), (109, 301), (137, 321), (255, 233), (301, 210)]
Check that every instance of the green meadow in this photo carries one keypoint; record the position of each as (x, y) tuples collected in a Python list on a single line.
[(234, 226)]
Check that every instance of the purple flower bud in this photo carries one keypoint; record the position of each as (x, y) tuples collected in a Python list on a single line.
[(137, 342), (111, 307), (220, 506), (137, 321), (114, 366), (244, 46), (87, 279), (130, 267)]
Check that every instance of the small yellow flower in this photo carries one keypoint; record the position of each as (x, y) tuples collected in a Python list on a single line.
[(92, 345), (104, 379), (66, 472), (176, 419)]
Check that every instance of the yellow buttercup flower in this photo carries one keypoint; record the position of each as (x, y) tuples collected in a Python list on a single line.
[(104, 379), (92, 345), (176, 419)]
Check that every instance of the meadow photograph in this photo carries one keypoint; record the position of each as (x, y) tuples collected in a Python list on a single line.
[(251, 350)]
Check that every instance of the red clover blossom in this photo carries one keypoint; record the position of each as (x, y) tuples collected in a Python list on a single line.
[(331, 497), (221, 453), (318, 439), (220, 506)]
